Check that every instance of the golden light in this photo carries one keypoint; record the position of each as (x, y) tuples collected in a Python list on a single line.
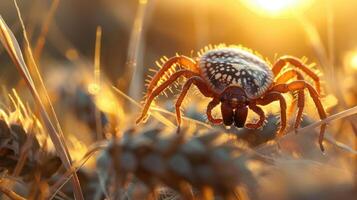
[(350, 60), (276, 8), (93, 88), (275, 5), (72, 54), (353, 61)]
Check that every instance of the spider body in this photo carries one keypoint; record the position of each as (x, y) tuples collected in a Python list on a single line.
[(233, 66), (238, 80)]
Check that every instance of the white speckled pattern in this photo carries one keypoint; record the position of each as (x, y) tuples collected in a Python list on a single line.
[(233, 66)]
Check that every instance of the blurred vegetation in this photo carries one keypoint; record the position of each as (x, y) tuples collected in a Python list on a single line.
[(94, 57)]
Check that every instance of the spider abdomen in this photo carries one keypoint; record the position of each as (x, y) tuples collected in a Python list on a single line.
[(234, 66)]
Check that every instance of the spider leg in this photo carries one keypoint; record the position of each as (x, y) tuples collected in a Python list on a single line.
[(210, 107), (288, 75), (261, 120), (200, 84), (162, 87), (301, 85), (186, 62), (276, 96), (285, 77), (282, 61)]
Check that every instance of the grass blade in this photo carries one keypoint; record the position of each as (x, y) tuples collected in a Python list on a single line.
[(41, 41), (12, 47)]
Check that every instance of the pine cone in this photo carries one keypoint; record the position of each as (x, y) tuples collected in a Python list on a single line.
[(203, 161), (17, 141)]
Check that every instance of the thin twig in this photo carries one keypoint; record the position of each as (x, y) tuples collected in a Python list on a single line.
[(340, 115), (97, 81), (9, 193), (40, 43), (134, 61), (156, 115), (55, 188)]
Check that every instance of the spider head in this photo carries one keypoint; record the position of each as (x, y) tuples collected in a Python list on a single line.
[(234, 106)]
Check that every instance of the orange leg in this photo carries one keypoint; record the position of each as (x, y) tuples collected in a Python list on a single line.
[(162, 87), (301, 105), (288, 75), (210, 107), (200, 84), (301, 85), (283, 61), (275, 96), (261, 120), (285, 77), (186, 62)]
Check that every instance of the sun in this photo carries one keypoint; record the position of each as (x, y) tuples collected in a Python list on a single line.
[(276, 8), (350, 60)]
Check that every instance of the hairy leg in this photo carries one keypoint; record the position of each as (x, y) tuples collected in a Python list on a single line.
[(285, 77), (261, 120), (186, 62), (284, 60), (200, 84), (301, 85), (210, 107), (276, 96), (162, 87)]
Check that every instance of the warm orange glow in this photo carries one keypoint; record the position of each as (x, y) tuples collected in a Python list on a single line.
[(353, 61), (276, 7), (350, 60), (72, 54), (93, 88)]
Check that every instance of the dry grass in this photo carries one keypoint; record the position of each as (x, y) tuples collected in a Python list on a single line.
[(80, 141)]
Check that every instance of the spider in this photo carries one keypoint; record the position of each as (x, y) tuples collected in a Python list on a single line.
[(239, 79)]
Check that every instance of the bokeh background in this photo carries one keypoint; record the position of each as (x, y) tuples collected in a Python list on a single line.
[(137, 33), (184, 26), (272, 28)]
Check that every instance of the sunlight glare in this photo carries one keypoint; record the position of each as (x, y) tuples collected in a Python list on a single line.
[(276, 7), (353, 61), (93, 88), (350, 60)]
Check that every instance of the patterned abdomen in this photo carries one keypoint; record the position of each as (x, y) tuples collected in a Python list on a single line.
[(234, 66)]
